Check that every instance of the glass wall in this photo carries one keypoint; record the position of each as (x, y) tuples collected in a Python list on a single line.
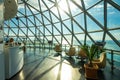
[(70, 22)]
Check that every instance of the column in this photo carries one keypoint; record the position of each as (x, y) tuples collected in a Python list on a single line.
[(2, 70)]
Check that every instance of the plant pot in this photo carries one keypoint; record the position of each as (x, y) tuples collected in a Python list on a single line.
[(91, 72)]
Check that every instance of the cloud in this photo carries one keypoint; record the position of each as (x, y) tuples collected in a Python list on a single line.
[(99, 6), (34, 3), (20, 6)]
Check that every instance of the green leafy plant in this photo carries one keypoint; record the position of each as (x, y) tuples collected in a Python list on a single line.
[(90, 51)]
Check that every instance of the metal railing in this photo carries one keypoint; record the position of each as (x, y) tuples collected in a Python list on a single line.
[(113, 52)]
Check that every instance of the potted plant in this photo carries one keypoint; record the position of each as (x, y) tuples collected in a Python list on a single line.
[(90, 68)]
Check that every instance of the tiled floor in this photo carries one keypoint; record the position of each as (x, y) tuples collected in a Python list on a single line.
[(45, 65)]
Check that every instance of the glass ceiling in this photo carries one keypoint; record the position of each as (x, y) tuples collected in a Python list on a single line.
[(72, 22)]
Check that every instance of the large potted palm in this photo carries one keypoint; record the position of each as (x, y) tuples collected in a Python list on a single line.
[(90, 68)]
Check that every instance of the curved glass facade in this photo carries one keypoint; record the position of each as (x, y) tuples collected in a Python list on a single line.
[(72, 22)]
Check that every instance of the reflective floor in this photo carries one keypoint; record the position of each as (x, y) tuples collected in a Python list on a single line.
[(49, 65)]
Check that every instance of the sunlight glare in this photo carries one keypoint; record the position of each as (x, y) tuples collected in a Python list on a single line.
[(66, 73), (62, 5), (21, 75)]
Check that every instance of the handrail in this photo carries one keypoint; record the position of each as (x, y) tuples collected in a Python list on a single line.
[(112, 52)]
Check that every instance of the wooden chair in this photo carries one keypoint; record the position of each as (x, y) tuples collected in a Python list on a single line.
[(82, 54), (58, 48), (101, 61), (71, 51)]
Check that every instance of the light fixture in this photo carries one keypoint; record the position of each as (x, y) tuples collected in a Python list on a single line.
[(11, 7)]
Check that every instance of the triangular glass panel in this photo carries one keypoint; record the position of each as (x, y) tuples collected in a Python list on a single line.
[(79, 20), (21, 10), (75, 42), (63, 9), (6, 31), (55, 29), (92, 26), (99, 9), (13, 23), (38, 19), (116, 34), (58, 38), (47, 32), (74, 9), (77, 28), (68, 37), (30, 21), (80, 37), (89, 3), (32, 29), (21, 20), (46, 20), (34, 6), (66, 26), (54, 11), (113, 17), (117, 2), (49, 38), (64, 15), (49, 28), (110, 44), (54, 18), (22, 31), (37, 22), (96, 35), (11, 33), (15, 30), (30, 33), (89, 41), (29, 10)]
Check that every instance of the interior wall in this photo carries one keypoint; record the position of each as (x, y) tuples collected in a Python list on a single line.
[(2, 72)]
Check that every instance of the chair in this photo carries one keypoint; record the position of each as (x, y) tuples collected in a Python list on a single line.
[(101, 61), (82, 54), (71, 51), (58, 48)]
